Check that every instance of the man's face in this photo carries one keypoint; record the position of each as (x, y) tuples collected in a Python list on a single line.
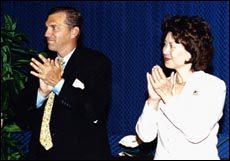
[(58, 33)]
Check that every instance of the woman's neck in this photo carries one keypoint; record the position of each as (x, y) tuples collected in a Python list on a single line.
[(182, 77)]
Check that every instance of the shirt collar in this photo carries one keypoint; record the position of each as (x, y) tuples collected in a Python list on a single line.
[(67, 57)]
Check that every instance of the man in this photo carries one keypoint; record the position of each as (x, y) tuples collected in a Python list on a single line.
[(82, 93)]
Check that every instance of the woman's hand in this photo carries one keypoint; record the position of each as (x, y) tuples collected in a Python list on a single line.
[(161, 84), (154, 98)]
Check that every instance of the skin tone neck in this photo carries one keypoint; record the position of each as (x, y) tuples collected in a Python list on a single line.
[(60, 37), (183, 74)]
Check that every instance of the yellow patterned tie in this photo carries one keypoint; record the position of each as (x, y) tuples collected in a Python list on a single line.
[(45, 135)]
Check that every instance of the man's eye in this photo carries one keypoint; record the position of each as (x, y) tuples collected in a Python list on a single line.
[(54, 28)]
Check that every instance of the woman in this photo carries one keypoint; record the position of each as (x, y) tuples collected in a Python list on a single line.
[(183, 110)]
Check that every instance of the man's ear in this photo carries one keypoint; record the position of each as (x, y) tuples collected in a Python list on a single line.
[(75, 32)]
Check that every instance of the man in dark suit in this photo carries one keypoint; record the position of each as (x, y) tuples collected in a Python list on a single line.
[(82, 94)]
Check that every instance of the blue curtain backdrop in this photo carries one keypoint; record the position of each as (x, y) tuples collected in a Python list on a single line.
[(129, 34)]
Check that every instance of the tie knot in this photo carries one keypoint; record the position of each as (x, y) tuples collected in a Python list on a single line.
[(61, 62)]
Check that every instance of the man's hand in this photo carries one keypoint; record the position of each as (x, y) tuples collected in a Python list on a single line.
[(49, 73)]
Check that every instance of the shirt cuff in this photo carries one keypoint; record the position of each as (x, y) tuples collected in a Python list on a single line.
[(40, 99), (58, 86)]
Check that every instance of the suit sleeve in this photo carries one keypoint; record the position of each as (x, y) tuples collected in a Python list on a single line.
[(24, 105), (146, 126)]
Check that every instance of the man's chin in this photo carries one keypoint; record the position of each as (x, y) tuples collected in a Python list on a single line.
[(51, 48)]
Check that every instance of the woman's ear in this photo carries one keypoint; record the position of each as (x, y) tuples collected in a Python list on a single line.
[(188, 57)]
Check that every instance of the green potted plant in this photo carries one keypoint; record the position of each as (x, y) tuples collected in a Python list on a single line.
[(15, 59)]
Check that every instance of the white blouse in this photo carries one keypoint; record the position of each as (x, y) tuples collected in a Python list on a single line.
[(187, 126)]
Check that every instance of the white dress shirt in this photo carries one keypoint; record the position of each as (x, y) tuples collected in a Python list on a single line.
[(187, 126)]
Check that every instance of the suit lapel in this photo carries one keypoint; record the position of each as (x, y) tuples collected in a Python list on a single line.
[(73, 63)]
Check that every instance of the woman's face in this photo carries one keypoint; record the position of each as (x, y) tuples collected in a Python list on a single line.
[(174, 53)]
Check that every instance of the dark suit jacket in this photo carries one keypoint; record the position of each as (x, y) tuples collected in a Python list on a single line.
[(78, 121)]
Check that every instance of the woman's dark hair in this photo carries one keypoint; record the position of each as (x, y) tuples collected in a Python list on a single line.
[(73, 17), (195, 34)]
